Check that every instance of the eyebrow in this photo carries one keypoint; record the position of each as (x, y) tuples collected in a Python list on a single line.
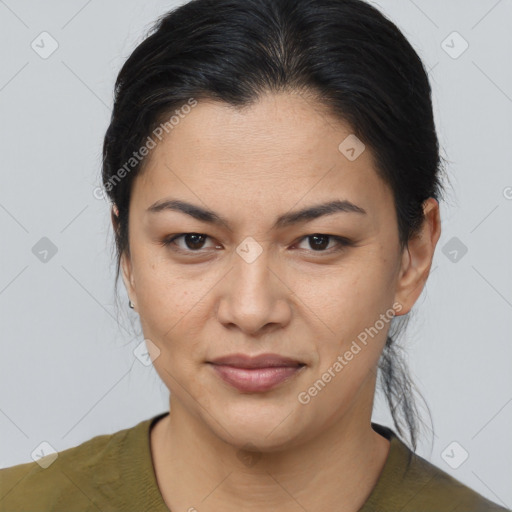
[(287, 219)]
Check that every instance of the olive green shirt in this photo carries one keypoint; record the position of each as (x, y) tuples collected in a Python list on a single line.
[(115, 472)]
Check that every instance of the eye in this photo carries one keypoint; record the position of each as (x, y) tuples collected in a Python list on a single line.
[(193, 242), (319, 242)]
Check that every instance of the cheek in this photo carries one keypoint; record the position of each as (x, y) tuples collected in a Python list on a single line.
[(164, 291), (351, 304), (170, 312), (355, 295)]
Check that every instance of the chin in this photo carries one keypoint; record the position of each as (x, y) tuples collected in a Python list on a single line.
[(265, 428)]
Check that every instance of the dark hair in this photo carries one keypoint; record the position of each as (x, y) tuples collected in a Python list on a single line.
[(344, 54)]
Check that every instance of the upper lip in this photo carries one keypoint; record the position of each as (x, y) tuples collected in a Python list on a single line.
[(260, 361)]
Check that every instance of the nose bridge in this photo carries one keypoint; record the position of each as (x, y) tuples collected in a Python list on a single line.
[(252, 273)]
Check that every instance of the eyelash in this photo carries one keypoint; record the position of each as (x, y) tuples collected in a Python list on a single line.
[(341, 241)]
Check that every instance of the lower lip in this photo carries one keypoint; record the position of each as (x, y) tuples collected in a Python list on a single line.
[(255, 380)]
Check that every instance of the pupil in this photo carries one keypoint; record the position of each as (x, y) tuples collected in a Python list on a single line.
[(316, 238), (195, 240)]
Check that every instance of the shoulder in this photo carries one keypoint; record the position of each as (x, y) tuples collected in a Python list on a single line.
[(434, 489), (410, 483), (73, 479)]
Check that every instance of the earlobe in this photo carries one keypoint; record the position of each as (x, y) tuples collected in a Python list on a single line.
[(417, 257)]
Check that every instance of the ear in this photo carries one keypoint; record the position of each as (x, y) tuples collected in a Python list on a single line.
[(129, 281), (417, 258), (126, 267)]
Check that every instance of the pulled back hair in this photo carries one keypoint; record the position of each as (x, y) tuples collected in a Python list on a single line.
[(346, 54)]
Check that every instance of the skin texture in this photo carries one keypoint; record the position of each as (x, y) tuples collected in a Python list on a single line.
[(250, 166)]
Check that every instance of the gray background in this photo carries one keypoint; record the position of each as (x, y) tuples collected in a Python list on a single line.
[(68, 372)]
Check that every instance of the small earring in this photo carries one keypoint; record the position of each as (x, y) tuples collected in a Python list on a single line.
[(131, 304)]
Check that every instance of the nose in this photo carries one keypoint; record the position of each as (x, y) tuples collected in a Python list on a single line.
[(254, 295)]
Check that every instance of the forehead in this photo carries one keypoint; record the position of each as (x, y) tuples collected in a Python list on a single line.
[(285, 147), (277, 126)]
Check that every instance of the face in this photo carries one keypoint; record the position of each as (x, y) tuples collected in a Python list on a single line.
[(250, 276)]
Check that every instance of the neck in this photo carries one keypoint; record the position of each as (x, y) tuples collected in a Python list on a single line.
[(197, 470)]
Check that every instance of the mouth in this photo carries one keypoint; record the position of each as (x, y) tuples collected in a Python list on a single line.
[(255, 374)]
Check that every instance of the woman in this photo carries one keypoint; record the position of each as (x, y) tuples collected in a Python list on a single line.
[(274, 173)]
